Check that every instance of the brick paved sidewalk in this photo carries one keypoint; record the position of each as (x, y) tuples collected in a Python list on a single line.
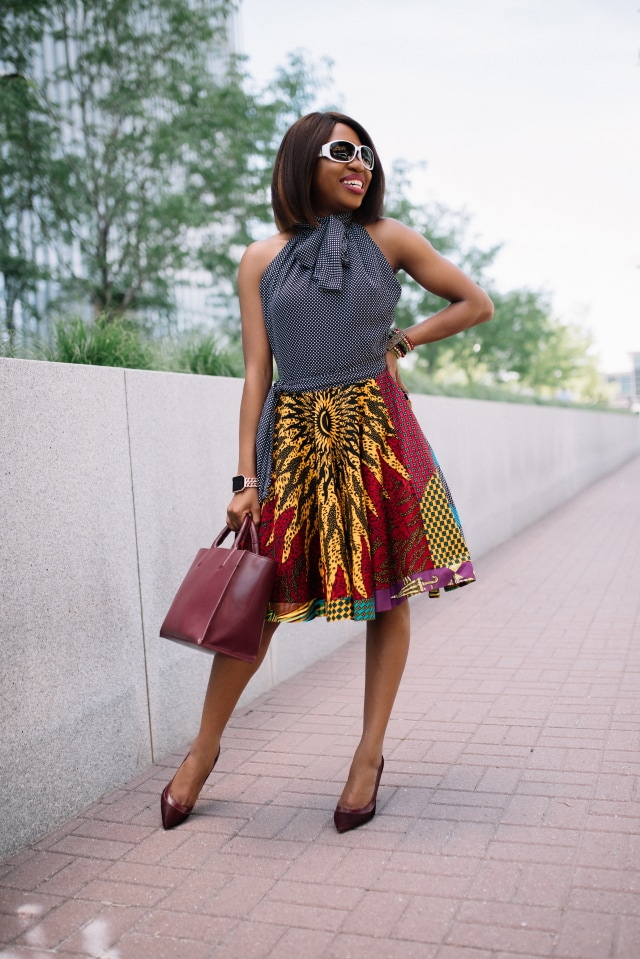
[(509, 809)]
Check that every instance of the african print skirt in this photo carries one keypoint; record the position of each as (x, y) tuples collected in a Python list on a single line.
[(358, 514)]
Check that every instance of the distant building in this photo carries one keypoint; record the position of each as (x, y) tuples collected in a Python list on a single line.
[(26, 311), (627, 385)]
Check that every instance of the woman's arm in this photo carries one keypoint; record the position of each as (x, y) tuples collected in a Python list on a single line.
[(407, 250), (258, 364)]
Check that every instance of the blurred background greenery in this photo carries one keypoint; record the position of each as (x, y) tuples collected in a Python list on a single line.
[(135, 158)]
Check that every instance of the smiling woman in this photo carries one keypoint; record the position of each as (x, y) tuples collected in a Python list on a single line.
[(341, 178), (333, 466), (306, 162)]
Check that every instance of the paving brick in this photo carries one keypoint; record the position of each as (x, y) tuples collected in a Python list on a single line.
[(112, 831), (129, 804), (238, 896), (606, 900), (122, 893), (590, 877), (26, 952), (522, 941), (307, 943), (516, 915), (135, 946), (316, 862), (495, 881), (465, 952), (107, 927), (72, 878), (249, 865), (145, 874), (530, 852), (349, 946), (325, 894), (294, 914), (13, 927), (499, 781), (27, 904), (92, 848), (197, 849), (53, 837), (198, 927), (60, 923), (545, 885), (423, 883), (426, 919), (379, 911), (586, 935), (250, 940), (602, 849), (612, 786), (268, 821), (32, 873), (407, 801), (158, 846), (195, 892), (468, 838), (628, 938), (538, 834)]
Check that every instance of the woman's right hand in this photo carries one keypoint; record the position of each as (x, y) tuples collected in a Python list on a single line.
[(392, 368), (242, 503)]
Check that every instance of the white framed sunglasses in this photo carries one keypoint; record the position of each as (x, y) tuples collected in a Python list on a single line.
[(344, 151)]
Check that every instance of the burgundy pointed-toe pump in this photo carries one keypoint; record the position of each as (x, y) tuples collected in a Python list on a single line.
[(346, 819), (173, 812)]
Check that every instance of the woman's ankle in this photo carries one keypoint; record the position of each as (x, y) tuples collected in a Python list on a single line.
[(204, 753)]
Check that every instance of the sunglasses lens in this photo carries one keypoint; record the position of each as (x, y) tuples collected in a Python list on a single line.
[(367, 157), (342, 150)]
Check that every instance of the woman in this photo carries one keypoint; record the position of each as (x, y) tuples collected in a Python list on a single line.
[(332, 463)]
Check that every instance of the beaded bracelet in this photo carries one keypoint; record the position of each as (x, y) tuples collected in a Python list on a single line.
[(399, 343)]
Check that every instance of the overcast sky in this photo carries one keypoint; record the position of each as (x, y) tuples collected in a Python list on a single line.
[(527, 114)]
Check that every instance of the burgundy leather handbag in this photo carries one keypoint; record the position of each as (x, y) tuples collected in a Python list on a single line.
[(222, 602)]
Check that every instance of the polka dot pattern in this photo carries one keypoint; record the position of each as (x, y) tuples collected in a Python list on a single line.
[(328, 300)]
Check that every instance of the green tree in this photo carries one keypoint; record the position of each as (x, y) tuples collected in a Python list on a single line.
[(156, 157), (26, 172), (524, 344), (447, 231)]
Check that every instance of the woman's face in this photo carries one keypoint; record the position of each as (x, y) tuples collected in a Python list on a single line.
[(339, 187)]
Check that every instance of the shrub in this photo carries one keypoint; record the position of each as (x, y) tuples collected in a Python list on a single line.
[(199, 352), (100, 343)]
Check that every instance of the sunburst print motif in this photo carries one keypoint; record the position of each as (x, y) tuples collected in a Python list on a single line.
[(328, 439)]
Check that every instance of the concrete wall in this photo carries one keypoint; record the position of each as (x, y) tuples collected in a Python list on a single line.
[(109, 482)]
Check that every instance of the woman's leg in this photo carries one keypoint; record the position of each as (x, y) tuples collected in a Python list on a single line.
[(227, 682), (387, 648)]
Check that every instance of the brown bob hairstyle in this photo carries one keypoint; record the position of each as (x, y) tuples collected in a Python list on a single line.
[(296, 162)]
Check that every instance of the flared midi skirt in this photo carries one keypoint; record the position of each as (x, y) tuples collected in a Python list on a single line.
[(358, 515)]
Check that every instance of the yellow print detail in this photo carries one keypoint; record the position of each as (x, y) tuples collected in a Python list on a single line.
[(324, 438)]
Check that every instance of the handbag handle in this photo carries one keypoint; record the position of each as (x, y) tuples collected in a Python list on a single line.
[(248, 526)]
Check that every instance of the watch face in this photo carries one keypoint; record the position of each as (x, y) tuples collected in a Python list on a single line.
[(237, 484)]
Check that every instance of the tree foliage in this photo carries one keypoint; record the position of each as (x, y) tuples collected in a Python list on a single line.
[(524, 344), (141, 154)]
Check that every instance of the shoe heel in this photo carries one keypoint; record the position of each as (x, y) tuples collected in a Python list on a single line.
[(173, 813), (346, 819)]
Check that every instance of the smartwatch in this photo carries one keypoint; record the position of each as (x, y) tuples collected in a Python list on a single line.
[(238, 483)]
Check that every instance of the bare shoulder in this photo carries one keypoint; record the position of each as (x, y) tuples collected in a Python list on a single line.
[(257, 257), (396, 240)]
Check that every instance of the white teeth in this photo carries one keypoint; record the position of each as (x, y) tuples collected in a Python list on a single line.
[(352, 183)]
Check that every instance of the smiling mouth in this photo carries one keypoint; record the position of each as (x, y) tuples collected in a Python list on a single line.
[(355, 183)]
